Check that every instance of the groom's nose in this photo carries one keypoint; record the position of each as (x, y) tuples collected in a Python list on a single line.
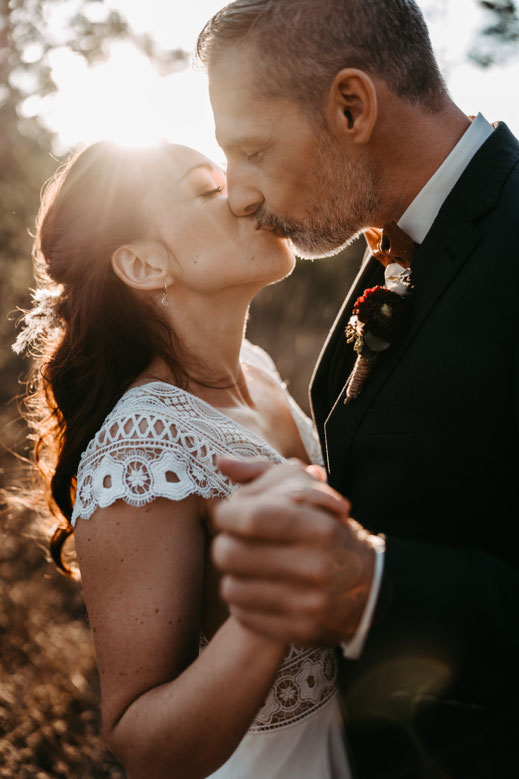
[(244, 200)]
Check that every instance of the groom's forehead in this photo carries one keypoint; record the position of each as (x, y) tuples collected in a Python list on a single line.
[(237, 102), (248, 123), (236, 77), (243, 113)]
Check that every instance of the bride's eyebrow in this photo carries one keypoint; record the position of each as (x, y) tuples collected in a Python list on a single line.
[(207, 165)]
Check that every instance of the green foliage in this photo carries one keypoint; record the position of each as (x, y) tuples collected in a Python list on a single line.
[(499, 37)]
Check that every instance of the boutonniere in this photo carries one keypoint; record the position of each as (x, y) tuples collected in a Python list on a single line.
[(381, 315)]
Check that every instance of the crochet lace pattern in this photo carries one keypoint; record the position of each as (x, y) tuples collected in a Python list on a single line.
[(161, 441), (306, 680)]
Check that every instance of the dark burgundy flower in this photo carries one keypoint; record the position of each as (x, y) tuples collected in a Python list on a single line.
[(385, 313)]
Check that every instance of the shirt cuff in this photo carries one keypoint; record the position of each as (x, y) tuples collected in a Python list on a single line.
[(352, 649)]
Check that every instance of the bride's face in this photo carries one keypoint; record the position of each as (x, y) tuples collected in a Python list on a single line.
[(211, 248)]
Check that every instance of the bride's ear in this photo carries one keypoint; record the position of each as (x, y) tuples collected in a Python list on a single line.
[(142, 265), (351, 105)]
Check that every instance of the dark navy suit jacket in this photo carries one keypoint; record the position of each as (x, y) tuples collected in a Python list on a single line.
[(429, 456)]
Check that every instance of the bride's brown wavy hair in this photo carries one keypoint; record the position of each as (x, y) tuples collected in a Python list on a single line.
[(88, 333)]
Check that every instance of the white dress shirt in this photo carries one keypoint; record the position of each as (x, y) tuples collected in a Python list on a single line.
[(419, 217), (417, 221)]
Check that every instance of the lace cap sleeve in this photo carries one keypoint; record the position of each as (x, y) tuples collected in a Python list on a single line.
[(157, 442)]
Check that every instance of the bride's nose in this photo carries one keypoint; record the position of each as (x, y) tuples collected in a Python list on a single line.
[(244, 200)]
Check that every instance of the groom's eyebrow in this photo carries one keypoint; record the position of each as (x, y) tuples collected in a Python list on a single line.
[(230, 142), (207, 165)]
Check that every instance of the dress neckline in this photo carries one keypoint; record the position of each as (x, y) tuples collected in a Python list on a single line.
[(256, 438)]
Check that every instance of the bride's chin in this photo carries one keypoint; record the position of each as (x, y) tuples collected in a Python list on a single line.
[(290, 266), (285, 268), (281, 272)]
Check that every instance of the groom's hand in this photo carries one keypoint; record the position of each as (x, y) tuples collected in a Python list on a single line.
[(296, 567)]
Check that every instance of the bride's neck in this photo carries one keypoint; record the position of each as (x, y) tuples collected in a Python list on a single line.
[(210, 330)]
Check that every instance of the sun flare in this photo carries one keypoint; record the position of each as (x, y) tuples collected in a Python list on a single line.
[(124, 99)]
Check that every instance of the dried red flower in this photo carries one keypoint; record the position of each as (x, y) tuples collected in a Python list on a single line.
[(385, 313)]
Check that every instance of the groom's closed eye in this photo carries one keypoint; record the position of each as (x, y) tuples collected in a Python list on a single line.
[(255, 156)]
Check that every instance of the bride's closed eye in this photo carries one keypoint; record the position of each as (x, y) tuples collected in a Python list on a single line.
[(207, 186), (214, 191)]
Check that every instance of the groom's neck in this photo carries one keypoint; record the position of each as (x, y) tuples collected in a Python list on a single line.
[(413, 144)]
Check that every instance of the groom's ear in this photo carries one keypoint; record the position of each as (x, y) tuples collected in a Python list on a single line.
[(351, 106)]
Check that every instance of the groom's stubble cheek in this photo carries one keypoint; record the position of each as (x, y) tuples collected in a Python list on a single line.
[(305, 185), (344, 203)]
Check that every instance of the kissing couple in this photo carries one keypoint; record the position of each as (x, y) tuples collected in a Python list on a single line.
[(273, 597)]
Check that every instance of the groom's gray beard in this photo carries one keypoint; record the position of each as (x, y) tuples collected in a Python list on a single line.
[(347, 204)]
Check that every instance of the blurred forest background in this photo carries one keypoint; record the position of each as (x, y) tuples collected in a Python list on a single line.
[(49, 698)]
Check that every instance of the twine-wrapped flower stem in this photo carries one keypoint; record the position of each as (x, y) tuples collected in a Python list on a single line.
[(380, 317)]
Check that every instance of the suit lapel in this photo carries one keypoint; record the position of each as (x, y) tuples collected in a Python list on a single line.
[(451, 240), (335, 349), (436, 264)]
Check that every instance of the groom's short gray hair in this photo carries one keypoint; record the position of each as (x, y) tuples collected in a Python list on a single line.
[(304, 43)]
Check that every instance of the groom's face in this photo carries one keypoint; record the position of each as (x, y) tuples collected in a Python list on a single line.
[(285, 168)]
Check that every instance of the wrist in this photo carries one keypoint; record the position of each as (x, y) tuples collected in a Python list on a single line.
[(361, 593), (353, 645), (257, 642)]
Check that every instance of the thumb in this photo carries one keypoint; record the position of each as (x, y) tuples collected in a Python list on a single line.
[(242, 471), (317, 472)]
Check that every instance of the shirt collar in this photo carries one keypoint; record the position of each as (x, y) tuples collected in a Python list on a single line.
[(419, 217)]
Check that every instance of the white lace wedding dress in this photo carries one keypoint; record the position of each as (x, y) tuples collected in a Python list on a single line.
[(160, 441)]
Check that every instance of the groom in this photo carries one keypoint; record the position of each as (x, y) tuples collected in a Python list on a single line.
[(334, 117)]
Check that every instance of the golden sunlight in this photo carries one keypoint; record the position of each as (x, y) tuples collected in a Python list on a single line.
[(116, 99), (125, 100)]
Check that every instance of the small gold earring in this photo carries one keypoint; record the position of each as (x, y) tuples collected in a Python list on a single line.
[(165, 302)]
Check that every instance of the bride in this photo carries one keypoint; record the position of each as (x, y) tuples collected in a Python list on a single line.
[(143, 380)]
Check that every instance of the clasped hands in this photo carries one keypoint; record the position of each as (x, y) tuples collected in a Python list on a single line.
[(296, 567)]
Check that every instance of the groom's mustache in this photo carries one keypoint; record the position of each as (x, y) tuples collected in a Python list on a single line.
[(266, 220)]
